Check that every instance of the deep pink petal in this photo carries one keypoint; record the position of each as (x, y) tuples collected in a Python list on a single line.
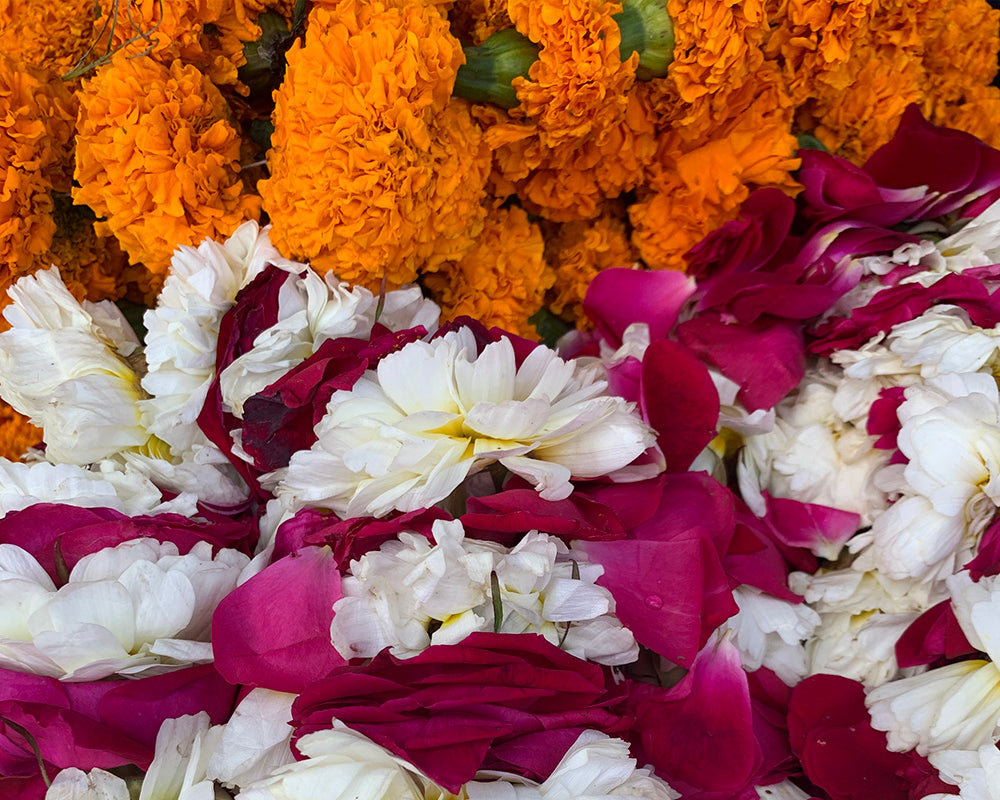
[(933, 636), (808, 525), (680, 401), (274, 630), (618, 297)]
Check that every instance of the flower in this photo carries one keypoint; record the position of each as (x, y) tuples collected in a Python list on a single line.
[(496, 701), (44, 35), (696, 187), (157, 159), (66, 368), (577, 251), (410, 431), (502, 280), (131, 610), (36, 120), (409, 595), (373, 171), (340, 764)]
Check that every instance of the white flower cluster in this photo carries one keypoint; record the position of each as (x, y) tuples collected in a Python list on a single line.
[(136, 609), (410, 594)]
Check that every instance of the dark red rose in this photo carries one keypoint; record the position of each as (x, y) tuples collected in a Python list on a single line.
[(510, 702)]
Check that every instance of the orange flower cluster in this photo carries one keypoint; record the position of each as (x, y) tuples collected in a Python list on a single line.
[(158, 158), (578, 251), (17, 434), (693, 190), (375, 171), (208, 34), (852, 67), (476, 20), (46, 34), (36, 128), (579, 135), (502, 280)]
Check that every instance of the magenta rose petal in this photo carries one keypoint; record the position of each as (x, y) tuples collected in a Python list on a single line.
[(699, 735), (274, 630), (680, 401), (616, 298)]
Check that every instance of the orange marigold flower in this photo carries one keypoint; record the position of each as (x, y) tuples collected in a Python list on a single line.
[(476, 20), (46, 34), (36, 129), (375, 171), (207, 33), (502, 280), (578, 86), (717, 56), (578, 251), (157, 158), (694, 190), (878, 83), (571, 180), (91, 266), (17, 434), (811, 39), (978, 114)]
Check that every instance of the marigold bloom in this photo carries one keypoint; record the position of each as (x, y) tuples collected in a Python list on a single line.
[(717, 54), (17, 434), (36, 128), (477, 20), (158, 158), (502, 280), (207, 33), (978, 114), (571, 180), (44, 34), (374, 171), (694, 190), (578, 251)]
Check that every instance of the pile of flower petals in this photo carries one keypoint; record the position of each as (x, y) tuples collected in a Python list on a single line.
[(739, 540)]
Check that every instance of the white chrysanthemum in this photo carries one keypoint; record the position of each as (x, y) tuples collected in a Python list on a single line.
[(862, 615), (255, 741), (785, 790), (770, 632), (950, 432), (65, 366), (183, 330), (138, 608), (977, 609), (955, 707), (410, 594), (976, 773), (814, 455), (341, 764), (410, 432), (596, 766), (183, 748), (125, 490)]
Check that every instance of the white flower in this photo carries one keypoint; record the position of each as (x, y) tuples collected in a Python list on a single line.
[(138, 608), (595, 766), (955, 707), (814, 455), (64, 365), (410, 594), (950, 432), (410, 432), (977, 609), (341, 764), (769, 632), (255, 741), (75, 784), (183, 329), (975, 772), (183, 747), (862, 615), (785, 790)]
